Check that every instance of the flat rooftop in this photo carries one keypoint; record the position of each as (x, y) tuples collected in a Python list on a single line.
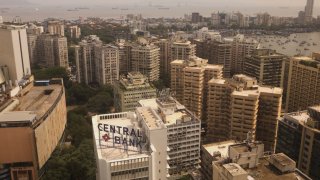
[(152, 120), (34, 103), (177, 112), (221, 147), (39, 99), (234, 169), (20, 116), (266, 171)]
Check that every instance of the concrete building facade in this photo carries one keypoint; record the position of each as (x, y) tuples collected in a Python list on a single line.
[(241, 48), (217, 52), (146, 146), (106, 64), (238, 106), (189, 80), (303, 84), (130, 89), (96, 62), (299, 138), (14, 52), (267, 66), (145, 58), (31, 126)]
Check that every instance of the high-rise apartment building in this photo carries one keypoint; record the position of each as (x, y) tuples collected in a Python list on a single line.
[(189, 81), (51, 51), (299, 138), (74, 32), (160, 140), (145, 58), (309, 11), (96, 62), (32, 125), (55, 28), (241, 48), (106, 64), (164, 45), (217, 52), (130, 89), (238, 106), (174, 49), (303, 84), (124, 56), (14, 51), (267, 66), (85, 59)]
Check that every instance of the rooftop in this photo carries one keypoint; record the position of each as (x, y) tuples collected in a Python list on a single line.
[(39, 99), (35, 100), (266, 171), (221, 147), (170, 111), (234, 169)]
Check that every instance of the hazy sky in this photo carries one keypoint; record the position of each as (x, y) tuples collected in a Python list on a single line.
[(232, 3)]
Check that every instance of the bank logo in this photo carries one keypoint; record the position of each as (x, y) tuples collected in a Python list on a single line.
[(106, 137)]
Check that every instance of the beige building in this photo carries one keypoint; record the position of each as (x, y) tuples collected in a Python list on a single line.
[(213, 152), (189, 80), (96, 62), (14, 51), (174, 49), (85, 59), (267, 66), (32, 125), (52, 51), (74, 32), (145, 58), (299, 138), (303, 84), (55, 28), (230, 160), (124, 56), (130, 89), (164, 45), (248, 161), (241, 48), (107, 64), (237, 106)]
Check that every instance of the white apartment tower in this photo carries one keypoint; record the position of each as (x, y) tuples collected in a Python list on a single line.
[(107, 64), (14, 51), (145, 58)]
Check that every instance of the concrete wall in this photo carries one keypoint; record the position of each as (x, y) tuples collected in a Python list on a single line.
[(49, 133)]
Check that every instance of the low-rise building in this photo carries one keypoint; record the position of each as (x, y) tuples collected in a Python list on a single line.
[(247, 160)]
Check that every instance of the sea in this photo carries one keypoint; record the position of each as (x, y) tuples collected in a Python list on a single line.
[(34, 12)]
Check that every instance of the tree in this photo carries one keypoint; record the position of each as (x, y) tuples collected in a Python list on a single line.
[(100, 103)]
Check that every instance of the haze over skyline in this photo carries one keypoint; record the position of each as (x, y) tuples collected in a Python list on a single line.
[(260, 3)]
